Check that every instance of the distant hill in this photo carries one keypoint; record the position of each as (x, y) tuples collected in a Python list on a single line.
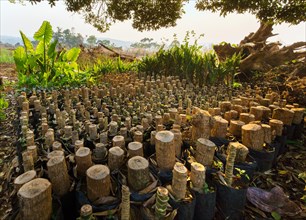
[(14, 40)]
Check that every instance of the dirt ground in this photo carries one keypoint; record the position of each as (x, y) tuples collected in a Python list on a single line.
[(285, 174)]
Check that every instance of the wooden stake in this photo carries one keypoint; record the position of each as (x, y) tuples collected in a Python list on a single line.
[(98, 182), (118, 141), (35, 200), (24, 178), (283, 114), (298, 115), (28, 162), (135, 149), (267, 133), (205, 151), (241, 151), (219, 128), (276, 126), (253, 136), (235, 127), (138, 173), (115, 158), (58, 174), (200, 125), (83, 160), (165, 150), (177, 142), (33, 150), (246, 118), (179, 180), (57, 145), (197, 176)]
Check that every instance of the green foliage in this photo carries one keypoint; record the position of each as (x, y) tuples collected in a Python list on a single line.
[(188, 61), (241, 173), (91, 40), (68, 38), (265, 10), (145, 43), (3, 105), (44, 66), (6, 56), (276, 216), (155, 14), (108, 65), (145, 15)]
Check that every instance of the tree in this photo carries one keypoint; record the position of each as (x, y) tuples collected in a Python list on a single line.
[(91, 40), (154, 14), (276, 11), (145, 43)]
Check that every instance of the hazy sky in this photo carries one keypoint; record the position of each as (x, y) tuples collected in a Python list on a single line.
[(232, 28)]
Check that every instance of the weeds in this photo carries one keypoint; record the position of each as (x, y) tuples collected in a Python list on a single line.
[(6, 56)]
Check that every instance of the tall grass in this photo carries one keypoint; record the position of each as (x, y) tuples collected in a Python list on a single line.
[(6, 56)]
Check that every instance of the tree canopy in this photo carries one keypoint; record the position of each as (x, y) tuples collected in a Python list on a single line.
[(155, 14)]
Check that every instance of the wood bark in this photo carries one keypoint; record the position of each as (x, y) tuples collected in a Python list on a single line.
[(197, 176), (58, 174), (276, 126), (138, 173), (83, 160), (24, 178), (235, 127), (219, 128), (205, 150), (253, 136), (201, 124), (35, 200), (98, 182), (283, 114), (115, 158), (179, 180), (135, 149), (165, 150)]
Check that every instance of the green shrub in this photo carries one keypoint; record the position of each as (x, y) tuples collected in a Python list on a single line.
[(188, 61), (3, 106)]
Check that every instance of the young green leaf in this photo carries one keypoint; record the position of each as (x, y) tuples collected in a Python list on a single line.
[(44, 32)]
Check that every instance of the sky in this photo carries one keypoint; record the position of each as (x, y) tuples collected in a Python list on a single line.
[(232, 28)]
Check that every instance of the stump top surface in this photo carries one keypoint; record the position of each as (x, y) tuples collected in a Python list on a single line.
[(97, 172), (164, 136), (82, 152), (134, 145), (34, 188), (116, 151), (25, 177), (138, 163), (55, 160), (180, 168), (206, 142), (55, 153), (118, 138), (236, 144), (162, 191), (276, 121), (265, 126), (251, 127), (220, 119), (31, 147), (78, 142), (197, 166), (237, 122)]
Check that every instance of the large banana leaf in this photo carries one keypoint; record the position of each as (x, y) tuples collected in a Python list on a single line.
[(20, 58), (27, 43), (44, 33)]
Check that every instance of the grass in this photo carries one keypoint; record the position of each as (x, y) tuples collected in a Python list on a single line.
[(6, 56)]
